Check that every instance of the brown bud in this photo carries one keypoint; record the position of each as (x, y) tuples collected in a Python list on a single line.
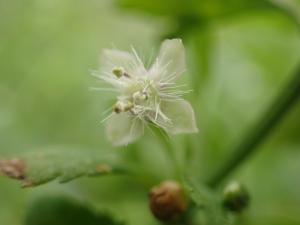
[(167, 201)]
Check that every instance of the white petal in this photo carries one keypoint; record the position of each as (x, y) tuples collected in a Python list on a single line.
[(122, 129), (170, 62), (182, 116), (111, 58)]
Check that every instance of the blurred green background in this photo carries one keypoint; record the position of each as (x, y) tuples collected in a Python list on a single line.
[(240, 53)]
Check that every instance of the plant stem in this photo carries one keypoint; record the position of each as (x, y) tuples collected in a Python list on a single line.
[(171, 154), (286, 99), (167, 145)]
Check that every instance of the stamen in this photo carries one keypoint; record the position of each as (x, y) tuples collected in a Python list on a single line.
[(122, 106), (118, 71), (140, 96), (126, 75)]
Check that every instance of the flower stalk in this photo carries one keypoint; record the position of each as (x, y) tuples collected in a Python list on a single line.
[(286, 99), (169, 150)]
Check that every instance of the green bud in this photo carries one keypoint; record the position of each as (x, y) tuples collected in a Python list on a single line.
[(235, 197)]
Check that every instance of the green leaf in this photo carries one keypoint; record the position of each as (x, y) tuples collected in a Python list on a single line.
[(208, 202), (57, 210), (204, 10), (156, 7), (41, 167)]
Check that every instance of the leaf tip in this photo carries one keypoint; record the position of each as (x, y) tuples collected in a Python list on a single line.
[(13, 168)]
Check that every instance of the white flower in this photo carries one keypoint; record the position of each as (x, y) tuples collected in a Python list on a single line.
[(146, 95)]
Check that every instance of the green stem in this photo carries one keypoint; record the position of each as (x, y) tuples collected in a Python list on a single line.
[(278, 109), (167, 145), (172, 155)]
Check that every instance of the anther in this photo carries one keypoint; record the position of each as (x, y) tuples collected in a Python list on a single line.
[(119, 72), (140, 96), (122, 106)]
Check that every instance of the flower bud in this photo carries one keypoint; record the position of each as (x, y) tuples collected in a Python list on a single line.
[(235, 197), (167, 201)]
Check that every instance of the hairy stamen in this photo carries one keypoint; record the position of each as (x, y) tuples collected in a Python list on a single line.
[(119, 72), (140, 96), (122, 106)]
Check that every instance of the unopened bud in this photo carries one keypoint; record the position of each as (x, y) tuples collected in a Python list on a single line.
[(235, 197), (168, 201)]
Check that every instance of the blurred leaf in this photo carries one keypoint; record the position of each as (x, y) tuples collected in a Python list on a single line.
[(190, 16), (37, 168), (205, 9), (202, 47), (290, 7), (63, 211), (157, 7), (208, 202)]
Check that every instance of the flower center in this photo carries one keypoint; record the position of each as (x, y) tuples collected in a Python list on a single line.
[(139, 97)]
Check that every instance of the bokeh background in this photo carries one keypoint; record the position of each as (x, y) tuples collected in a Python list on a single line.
[(240, 53)]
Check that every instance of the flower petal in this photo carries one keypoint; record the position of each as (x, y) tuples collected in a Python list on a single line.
[(130, 62), (111, 58), (170, 62), (182, 116), (122, 129)]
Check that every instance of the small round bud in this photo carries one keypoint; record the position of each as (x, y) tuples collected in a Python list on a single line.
[(235, 197), (167, 201), (118, 71)]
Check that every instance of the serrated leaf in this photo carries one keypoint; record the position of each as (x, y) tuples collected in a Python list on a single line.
[(41, 167), (61, 210), (208, 202)]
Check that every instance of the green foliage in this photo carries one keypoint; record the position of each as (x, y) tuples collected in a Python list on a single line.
[(40, 167), (240, 52), (204, 10), (59, 210), (208, 202)]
